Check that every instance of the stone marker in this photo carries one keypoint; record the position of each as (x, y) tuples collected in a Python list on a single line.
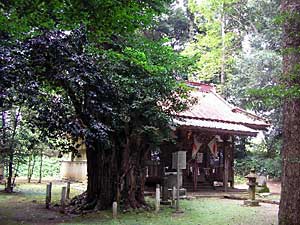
[(115, 210), (48, 195), (68, 190), (157, 198), (63, 198), (165, 192), (173, 196)]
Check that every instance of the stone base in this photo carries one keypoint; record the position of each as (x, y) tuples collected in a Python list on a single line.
[(179, 211), (251, 203), (182, 193), (165, 202)]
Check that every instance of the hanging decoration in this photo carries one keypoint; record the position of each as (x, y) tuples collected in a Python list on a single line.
[(196, 146), (213, 146), (199, 157)]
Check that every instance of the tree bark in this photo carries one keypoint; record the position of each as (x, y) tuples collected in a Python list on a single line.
[(31, 165), (142, 175), (41, 166), (133, 172), (117, 174), (102, 178), (9, 187), (16, 173), (289, 208), (223, 75)]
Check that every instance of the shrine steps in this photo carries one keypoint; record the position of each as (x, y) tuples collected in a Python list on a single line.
[(201, 186)]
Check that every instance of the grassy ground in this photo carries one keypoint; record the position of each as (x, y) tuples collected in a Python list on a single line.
[(27, 207)]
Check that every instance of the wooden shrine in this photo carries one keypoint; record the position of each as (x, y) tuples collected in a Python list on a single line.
[(206, 132)]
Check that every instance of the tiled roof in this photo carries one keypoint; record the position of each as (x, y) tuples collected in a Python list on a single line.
[(212, 111)]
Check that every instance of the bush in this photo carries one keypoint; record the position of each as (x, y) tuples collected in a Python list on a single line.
[(262, 165), (238, 179)]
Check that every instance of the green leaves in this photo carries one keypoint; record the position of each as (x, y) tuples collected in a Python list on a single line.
[(214, 45), (103, 19)]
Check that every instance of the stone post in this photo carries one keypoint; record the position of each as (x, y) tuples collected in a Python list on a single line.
[(157, 198), (48, 195), (165, 192), (63, 198), (178, 187), (68, 190), (173, 196), (115, 210)]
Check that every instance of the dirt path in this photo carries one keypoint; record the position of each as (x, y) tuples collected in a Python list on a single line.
[(16, 209), (27, 205), (275, 187)]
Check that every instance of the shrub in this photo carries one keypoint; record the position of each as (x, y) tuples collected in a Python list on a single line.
[(263, 165)]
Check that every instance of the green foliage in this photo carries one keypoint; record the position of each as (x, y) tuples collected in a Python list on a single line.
[(262, 164), (104, 19), (239, 179), (51, 168), (217, 41), (94, 77), (22, 142), (175, 25), (254, 71), (257, 68), (254, 86)]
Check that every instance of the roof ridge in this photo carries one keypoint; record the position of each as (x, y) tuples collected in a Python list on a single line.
[(223, 100), (238, 109), (218, 120), (203, 87)]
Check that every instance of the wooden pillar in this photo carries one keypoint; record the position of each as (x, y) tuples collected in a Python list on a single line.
[(226, 173), (226, 163), (232, 161), (195, 175)]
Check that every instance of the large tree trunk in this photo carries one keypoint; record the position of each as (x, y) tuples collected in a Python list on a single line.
[(117, 174), (289, 209), (102, 178), (133, 171), (140, 195)]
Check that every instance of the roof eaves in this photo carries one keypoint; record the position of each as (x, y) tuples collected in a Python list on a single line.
[(214, 126), (224, 121)]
